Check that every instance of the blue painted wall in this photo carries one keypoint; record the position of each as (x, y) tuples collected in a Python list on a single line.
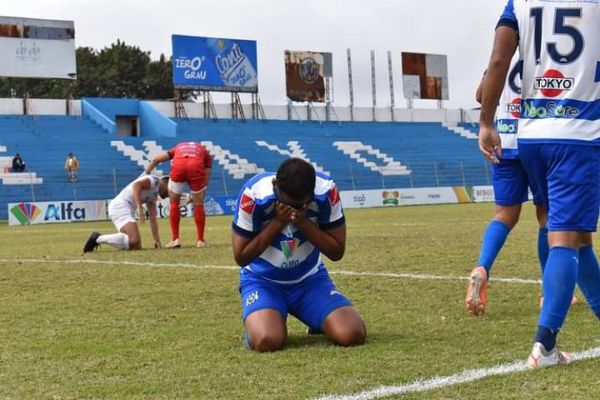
[(155, 124)]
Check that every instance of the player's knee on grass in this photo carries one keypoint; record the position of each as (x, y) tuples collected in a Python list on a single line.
[(345, 327), (263, 341), (133, 233), (266, 330)]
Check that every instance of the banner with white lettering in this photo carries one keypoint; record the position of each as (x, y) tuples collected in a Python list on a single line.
[(205, 63), (37, 48)]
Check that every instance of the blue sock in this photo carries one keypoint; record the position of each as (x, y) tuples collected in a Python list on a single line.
[(588, 278), (542, 247), (546, 336), (560, 276), (493, 239)]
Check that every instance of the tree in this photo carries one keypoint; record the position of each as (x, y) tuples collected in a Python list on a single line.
[(116, 71)]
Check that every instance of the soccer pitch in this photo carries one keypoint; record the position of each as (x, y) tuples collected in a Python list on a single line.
[(165, 324)]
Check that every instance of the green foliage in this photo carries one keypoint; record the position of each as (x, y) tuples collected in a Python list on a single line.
[(167, 325), (119, 70)]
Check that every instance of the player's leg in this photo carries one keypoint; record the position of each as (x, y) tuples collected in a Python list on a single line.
[(121, 216), (264, 313), (199, 216), (510, 190), (571, 175), (588, 277), (133, 234), (175, 192), (198, 181), (317, 303)]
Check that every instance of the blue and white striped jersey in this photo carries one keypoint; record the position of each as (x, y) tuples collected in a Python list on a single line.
[(508, 111), (290, 258), (559, 43)]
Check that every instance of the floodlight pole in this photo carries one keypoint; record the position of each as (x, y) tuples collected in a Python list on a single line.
[(373, 83), (351, 90), (390, 71)]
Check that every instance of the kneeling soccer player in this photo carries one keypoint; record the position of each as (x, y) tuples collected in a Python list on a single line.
[(122, 210), (283, 223)]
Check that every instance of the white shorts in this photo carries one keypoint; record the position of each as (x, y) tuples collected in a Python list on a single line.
[(178, 187), (121, 213)]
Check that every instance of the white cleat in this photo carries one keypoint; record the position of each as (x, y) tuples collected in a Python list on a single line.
[(173, 244), (540, 357), (201, 244)]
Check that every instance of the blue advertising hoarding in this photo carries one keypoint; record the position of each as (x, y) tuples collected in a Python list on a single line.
[(228, 65)]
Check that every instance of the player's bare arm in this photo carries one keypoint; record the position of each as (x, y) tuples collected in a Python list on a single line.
[(157, 160), (505, 44), (245, 250), (153, 215), (331, 242), (137, 197)]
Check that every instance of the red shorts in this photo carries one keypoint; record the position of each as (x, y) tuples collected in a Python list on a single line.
[(189, 170)]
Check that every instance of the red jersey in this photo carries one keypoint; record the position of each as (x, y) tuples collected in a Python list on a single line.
[(191, 150)]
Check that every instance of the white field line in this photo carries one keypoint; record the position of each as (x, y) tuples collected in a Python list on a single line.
[(439, 382), (412, 276)]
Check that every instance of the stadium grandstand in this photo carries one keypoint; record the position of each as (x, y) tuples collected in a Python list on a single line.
[(114, 139)]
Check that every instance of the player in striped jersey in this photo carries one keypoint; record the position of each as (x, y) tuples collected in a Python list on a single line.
[(559, 143), (282, 225), (510, 191)]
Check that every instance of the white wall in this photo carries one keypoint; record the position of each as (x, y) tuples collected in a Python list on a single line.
[(46, 107), (277, 112), (11, 106)]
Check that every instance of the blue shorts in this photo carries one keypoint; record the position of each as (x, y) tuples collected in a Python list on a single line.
[(567, 177), (511, 185), (311, 300)]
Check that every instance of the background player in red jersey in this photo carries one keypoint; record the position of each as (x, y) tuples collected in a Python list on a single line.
[(190, 163)]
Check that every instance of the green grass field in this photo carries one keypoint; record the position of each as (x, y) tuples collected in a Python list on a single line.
[(165, 324)]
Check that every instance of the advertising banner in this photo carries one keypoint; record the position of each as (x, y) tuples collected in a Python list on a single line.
[(397, 197), (37, 48), (213, 205), (425, 76), (305, 75), (56, 211), (482, 194), (203, 63)]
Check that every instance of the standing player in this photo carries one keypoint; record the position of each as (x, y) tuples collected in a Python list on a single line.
[(283, 223), (191, 164), (510, 191), (559, 143), (122, 210)]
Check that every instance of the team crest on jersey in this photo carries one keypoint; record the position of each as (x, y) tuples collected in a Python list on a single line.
[(247, 203), (553, 83), (288, 247), (514, 107), (334, 196)]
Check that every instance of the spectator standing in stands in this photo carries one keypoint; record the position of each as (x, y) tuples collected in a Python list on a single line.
[(190, 163), (71, 166), (18, 165)]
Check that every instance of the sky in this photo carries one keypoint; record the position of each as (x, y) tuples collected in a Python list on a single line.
[(461, 29)]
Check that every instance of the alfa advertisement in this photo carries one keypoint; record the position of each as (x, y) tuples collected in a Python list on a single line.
[(37, 48), (26, 213), (30, 213), (204, 63)]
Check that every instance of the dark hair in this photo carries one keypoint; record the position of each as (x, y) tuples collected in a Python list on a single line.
[(296, 178)]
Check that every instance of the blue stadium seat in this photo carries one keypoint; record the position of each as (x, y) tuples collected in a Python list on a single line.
[(359, 155)]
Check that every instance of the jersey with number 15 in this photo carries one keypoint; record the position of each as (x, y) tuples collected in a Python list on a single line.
[(559, 43)]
